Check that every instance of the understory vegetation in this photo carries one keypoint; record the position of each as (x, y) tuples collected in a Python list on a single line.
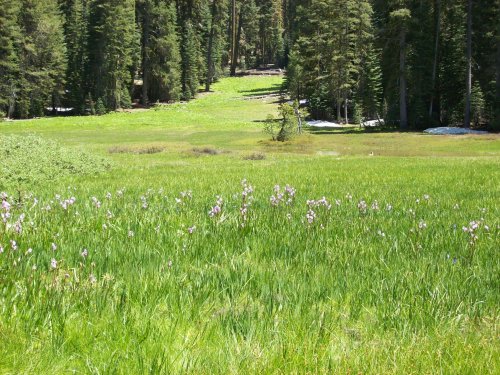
[(29, 159), (208, 248)]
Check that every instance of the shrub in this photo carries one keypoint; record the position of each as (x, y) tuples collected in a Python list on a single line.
[(31, 159), (284, 129)]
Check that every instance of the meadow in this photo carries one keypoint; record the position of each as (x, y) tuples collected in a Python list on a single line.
[(201, 247)]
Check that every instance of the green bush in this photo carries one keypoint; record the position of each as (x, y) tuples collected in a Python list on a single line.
[(31, 159), (284, 129)]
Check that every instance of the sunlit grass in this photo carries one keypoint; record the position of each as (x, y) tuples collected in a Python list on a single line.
[(396, 287)]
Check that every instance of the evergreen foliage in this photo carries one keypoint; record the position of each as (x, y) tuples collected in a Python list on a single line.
[(403, 60)]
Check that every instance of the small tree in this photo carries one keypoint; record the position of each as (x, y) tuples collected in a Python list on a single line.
[(284, 129), (100, 107), (477, 104)]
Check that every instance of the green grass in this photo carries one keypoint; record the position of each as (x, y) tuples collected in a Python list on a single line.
[(353, 292)]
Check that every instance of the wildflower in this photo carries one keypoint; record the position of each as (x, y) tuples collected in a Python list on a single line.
[(33, 268), (456, 206), (85, 253), (191, 229), (310, 216), (96, 202), (104, 226), (380, 233), (422, 225), (108, 195), (53, 246), (169, 264), (426, 197), (53, 264), (130, 233), (92, 279), (388, 207), (375, 206), (362, 206), (287, 195), (29, 251), (144, 203), (13, 245), (217, 209)]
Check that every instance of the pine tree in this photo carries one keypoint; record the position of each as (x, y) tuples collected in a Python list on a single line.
[(160, 51), (215, 41), (190, 59), (10, 35), (42, 57), (76, 36), (111, 50)]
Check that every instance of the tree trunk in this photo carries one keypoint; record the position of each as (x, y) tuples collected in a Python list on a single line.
[(436, 53), (233, 39), (12, 102), (497, 119), (145, 57), (468, 82), (345, 110), (234, 63), (210, 67), (339, 109), (403, 113)]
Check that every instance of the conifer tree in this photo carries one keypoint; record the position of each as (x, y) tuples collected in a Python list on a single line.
[(111, 51), (160, 51), (190, 59), (42, 57), (10, 35), (76, 36)]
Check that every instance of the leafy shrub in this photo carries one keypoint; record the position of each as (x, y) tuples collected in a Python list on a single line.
[(31, 159), (284, 129)]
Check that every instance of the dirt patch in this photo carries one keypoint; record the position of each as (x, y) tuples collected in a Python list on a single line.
[(199, 151), (136, 150), (255, 156)]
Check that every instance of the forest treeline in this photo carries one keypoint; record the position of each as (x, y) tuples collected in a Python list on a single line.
[(413, 63)]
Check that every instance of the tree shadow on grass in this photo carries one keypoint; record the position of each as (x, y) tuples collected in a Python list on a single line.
[(274, 89), (356, 130)]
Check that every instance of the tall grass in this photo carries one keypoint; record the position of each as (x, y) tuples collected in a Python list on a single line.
[(385, 280), (168, 264)]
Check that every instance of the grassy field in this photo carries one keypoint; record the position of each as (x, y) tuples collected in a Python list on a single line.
[(381, 255)]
